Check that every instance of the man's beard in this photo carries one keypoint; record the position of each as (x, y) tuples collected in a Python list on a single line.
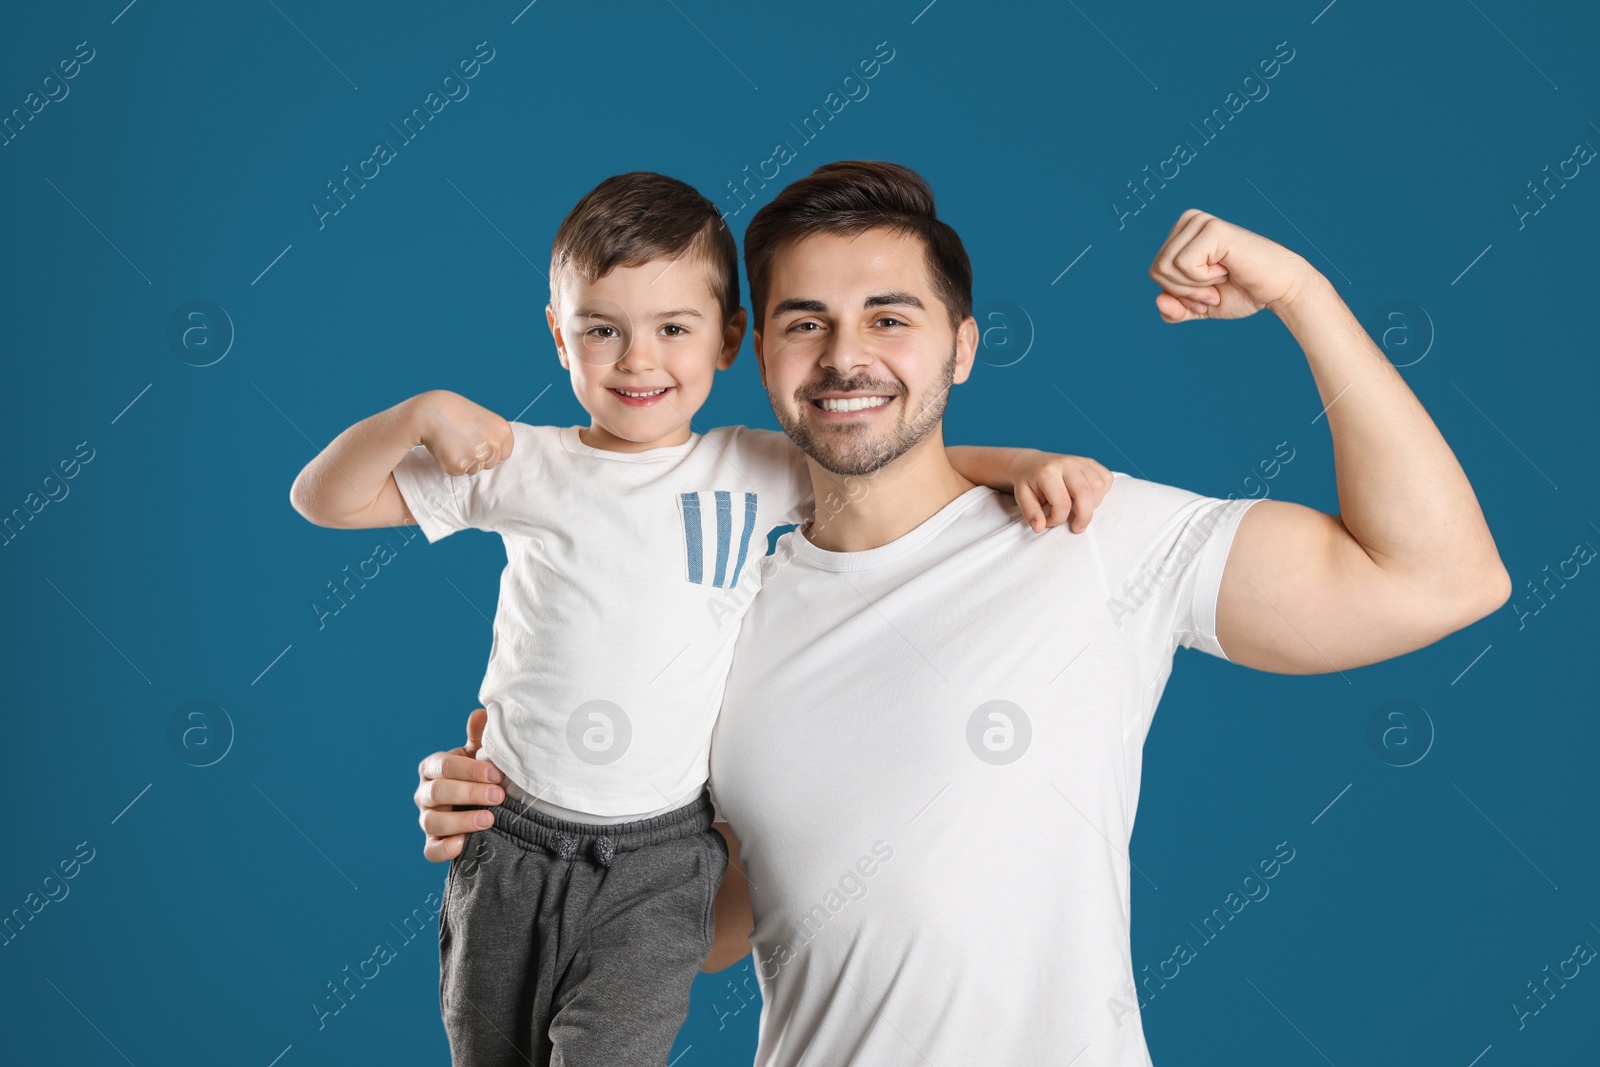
[(847, 449)]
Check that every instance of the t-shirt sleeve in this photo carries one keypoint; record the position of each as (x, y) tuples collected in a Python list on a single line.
[(442, 503), (1163, 550)]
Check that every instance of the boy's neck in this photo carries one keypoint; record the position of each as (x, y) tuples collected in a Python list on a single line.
[(859, 512), (597, 436)]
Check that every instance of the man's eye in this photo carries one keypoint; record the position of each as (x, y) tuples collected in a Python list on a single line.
[(804, 326), (890, 320)]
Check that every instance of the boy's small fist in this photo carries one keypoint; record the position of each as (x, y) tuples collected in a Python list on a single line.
[(463, 437), (1052, 489)]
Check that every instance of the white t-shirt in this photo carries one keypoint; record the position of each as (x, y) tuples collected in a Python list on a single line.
[(627, 576), (930, 752)]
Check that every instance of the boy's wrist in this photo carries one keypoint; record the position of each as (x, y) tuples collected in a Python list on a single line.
[(1026, 460), (416, 415)]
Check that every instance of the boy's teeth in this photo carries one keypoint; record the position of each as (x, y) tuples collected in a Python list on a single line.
[(854, 403), (652, 392)]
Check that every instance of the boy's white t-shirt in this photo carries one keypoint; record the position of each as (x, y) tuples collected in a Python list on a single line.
[(930, 753), (627, 577)]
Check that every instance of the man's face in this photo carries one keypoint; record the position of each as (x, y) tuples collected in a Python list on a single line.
[(857, 351), (642, 344)]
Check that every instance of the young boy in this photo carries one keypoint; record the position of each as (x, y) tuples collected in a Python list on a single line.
[(632, 547)]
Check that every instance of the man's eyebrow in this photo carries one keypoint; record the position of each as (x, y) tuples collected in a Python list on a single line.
[(796, 304), (891, 299)]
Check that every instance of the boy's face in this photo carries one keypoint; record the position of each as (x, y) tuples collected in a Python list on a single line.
[(642, 344), (857, 352)]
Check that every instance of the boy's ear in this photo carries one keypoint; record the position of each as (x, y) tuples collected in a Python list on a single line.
[(966, 348), (732, 338), (555, 331)]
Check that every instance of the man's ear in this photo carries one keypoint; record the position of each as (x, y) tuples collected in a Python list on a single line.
[(555, 331), (732, 338), (966, 348), (761, 359)]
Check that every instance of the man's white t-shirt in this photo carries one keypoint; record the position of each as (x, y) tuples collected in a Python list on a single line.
[(930, 753), (627, 576)]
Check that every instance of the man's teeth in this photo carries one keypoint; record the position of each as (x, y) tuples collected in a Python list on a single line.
[(652, 392), (854, 403)]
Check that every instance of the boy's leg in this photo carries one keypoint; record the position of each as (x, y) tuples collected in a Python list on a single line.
[(648, 929), (493, 952), (573, 944)]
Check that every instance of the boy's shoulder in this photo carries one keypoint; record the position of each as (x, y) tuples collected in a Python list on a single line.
[(535, 435), (768, 450), (752, 438)]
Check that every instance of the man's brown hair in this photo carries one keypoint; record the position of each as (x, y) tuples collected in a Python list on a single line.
[(850, 197), (629, 219)]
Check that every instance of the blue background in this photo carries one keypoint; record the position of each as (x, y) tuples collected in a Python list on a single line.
[(182, 165)]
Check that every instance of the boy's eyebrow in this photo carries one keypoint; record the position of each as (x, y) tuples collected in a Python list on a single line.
[(895, 298), (601, 313), (592, 313)]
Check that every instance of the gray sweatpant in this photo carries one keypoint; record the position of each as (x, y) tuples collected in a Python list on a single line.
[(572, 944)]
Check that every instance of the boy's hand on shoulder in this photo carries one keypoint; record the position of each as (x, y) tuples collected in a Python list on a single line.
[(1052, 488), (463, 437)]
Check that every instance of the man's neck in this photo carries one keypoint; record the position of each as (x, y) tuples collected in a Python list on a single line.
[(858, 512)]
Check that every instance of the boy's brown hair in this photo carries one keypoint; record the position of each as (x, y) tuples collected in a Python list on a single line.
[(850, 197), (629, 219)]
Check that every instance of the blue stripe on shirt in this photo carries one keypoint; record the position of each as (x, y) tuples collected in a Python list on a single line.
[(691, 533), (724, 532), (744, 538)]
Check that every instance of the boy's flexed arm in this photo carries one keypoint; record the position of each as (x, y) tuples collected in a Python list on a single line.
[(350, 484), (1048, 487)]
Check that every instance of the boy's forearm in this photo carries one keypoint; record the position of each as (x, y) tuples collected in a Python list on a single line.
[(346, 477), (997, 468)]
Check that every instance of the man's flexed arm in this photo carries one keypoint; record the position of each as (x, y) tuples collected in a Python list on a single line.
[(1409, 557), (350, 484)]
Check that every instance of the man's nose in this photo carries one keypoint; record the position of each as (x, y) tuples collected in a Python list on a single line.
[(846, 353)]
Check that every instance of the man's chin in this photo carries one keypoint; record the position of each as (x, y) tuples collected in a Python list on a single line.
[(847, 450)]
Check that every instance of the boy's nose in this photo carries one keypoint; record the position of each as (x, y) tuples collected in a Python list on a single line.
[(640, 356)]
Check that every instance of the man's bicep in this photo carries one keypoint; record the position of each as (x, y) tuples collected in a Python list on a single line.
[(1299, 595)]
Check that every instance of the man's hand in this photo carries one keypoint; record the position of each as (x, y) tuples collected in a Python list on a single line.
[(1211, 269), (452, 789), (1050, 487), (463, 437)]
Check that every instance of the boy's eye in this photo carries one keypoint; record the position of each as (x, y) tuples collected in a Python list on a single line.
[(672, 329), (603, 332)]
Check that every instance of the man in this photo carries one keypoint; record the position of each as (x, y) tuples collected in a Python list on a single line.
[(929, 746)]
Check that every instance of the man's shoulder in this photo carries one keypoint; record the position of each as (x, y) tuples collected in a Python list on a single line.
[(1132, 498)]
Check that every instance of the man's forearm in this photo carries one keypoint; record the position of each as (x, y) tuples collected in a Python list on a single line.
[(1402, 494), (347, 476)]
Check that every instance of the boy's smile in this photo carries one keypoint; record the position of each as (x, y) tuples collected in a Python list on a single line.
[(642, 344)]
